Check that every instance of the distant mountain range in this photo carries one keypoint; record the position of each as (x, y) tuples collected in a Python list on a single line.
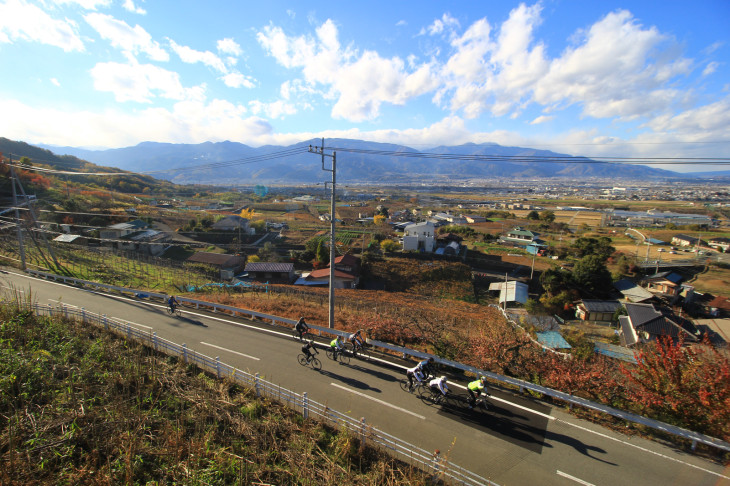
[(357, 162)]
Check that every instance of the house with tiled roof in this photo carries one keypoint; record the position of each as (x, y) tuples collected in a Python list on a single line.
[(596, 310), (644, 323), (665, 284), (633, 292)]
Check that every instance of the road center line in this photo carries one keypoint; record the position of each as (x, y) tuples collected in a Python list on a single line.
[(579, 481), (230, 351), (378, 400)]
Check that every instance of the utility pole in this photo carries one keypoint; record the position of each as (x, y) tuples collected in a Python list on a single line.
[(17, 214), (333, 170)]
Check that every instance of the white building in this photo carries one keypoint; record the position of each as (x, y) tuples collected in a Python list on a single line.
[(419, 237)]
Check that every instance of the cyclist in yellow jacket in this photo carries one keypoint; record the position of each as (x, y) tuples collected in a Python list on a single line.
[(475, 388)]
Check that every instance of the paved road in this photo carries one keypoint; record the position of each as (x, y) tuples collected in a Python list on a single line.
[(516, 442)]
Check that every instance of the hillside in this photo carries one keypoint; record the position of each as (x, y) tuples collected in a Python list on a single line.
[(357, 162), (79, 406)]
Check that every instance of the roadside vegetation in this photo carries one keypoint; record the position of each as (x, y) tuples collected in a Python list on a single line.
[(79, 406)]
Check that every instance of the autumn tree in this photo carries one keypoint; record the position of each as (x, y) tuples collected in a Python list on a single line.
[(686, 386)]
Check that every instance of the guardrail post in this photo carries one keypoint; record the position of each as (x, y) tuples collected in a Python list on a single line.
[(185, 353), (218, 367), (83, 315), (305, 405), (105, 321), (256, 384), (129, 332), (362, 431), (65, 310), (154, 341), (694, 444), (50, 310)]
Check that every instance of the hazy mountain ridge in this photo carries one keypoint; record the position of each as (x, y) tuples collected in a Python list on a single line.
[(352, 167)]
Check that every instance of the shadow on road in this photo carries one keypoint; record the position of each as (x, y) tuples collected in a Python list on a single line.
[(376, 373), (360, 385), (515, 426)]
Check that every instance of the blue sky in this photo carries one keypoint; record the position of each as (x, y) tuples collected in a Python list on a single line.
[(635, 79)]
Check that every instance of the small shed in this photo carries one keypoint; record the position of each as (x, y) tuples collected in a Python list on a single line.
[(72, 239), (271, 271), (511, 291), (228, 265)]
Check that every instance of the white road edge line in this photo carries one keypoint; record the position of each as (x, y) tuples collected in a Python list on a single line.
[(13, 289), (129, 322), (378, 401), (230, 351), (579, 481), (644, 449), (66, 305)]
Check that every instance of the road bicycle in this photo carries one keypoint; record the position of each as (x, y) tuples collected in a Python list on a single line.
[(431, 396), (306, 335), (416, 389), (359, 351), (343, 355), (313, 362), (176, 312)]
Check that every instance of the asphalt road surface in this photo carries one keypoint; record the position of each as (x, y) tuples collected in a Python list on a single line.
[(517, 441)]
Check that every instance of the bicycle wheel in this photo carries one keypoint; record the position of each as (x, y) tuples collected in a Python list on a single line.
[(316, 364), (329, 353), (170, 311), (344, 357), (406, 386), (363, 353), (302, 360), (178, 312)]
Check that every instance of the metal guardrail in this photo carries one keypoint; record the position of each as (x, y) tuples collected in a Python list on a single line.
[(572, 400), (431, 463)]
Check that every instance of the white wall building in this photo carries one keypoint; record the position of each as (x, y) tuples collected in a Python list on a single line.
[(419, 237)]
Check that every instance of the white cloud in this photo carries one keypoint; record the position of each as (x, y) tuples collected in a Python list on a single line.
[(708, 122), (615, 71), (129, 39), (275, 110), (55, 82), (141, 82), (85, 4), (191, 56), (541, 119), (22, 21), (229, 46), (439, 26), (710, 68), (131, 7), (238, 80), (185, 122), (359, 82)]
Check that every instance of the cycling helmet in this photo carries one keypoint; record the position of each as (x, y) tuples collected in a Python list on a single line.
[(430, 360), (442, 377)]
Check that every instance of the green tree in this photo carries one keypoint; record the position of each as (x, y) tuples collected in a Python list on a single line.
[(323, 254), (602, 247), (590, 273), (547, 216), (556, 280), (534, 215)]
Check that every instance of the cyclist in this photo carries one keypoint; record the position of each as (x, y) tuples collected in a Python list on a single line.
[(438, 385), (475, 388), (416, 373), (337, 346), (172, 302), (301, 327), (426, 367), (307, 350), (356, 340)]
